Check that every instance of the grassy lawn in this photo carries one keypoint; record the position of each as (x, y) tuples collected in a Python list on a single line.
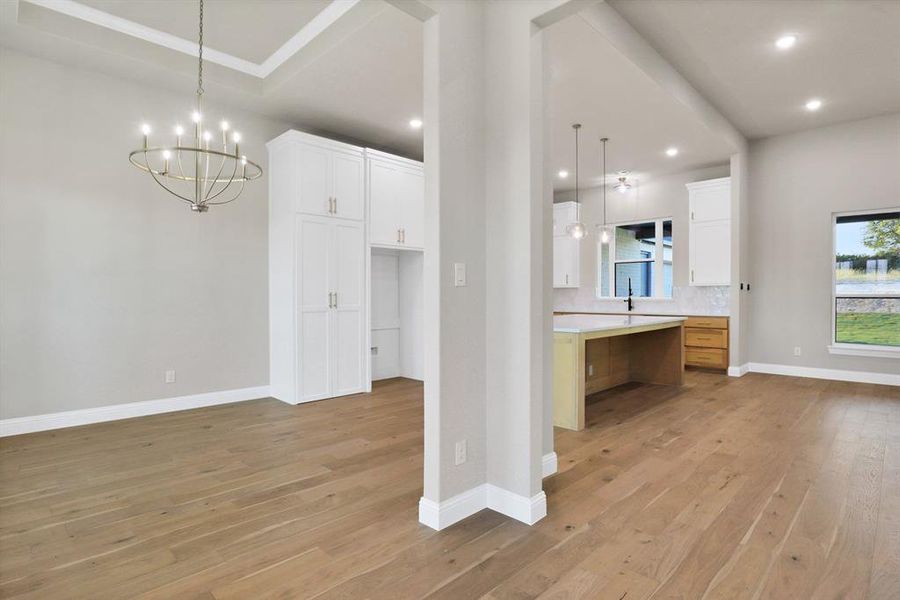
[(882, 329)]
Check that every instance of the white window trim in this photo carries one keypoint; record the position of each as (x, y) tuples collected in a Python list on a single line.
[(843, 348), (658, 265)]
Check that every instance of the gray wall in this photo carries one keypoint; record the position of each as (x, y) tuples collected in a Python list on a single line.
[(664, 196), (105, 280), (796, 182)]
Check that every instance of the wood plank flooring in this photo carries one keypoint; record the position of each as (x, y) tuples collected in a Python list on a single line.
[(759, 487)]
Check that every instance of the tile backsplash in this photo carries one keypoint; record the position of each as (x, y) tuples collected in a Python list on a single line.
[(686, 300)]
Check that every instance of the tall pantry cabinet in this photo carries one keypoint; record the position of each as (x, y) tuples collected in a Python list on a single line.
[(317, 268)]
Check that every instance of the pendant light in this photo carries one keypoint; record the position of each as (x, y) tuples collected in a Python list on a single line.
[(604, 231), (576, 230)]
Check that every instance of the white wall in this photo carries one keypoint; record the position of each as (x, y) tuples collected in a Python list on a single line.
[(105, 280), (664, 196), (412, 291), (397, 319), (796, 182)]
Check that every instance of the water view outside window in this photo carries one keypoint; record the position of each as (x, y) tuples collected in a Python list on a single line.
[(867, 279)]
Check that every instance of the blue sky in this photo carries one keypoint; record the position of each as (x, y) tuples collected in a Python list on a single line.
[(849, 239)]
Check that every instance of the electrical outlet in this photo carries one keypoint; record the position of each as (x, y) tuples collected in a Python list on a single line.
[(170, 376), (460, 452), (796, 350), (374, 350)]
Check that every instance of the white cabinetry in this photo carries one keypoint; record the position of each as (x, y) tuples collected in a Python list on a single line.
[(396, 192), (317, 269), (709, 236), (566, 250), (327, 178)]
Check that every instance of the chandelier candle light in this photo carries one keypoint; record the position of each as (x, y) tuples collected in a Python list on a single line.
[(198, 169)]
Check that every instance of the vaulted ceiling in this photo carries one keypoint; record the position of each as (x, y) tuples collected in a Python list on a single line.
[(352, 69)]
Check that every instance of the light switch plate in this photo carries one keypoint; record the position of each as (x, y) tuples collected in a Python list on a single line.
[(170, 376), (459, 274), (460, 457)]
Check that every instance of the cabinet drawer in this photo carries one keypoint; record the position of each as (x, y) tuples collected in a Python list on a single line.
[(707, 322), (706, 338), (706, 357)]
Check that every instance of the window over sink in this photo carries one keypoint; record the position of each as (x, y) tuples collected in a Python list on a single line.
[(639, 253)]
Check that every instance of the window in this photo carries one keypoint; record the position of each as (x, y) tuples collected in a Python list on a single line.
[(639, 254), (866, 291)]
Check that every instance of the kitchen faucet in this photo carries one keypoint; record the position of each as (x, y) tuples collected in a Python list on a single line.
[(628, 300)]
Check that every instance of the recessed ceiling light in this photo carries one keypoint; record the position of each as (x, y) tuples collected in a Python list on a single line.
[(786, 41), (813, 105), (563, 174), (672, 151), (415, 123)]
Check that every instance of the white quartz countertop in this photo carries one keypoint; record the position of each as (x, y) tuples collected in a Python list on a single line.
[(591, 323)]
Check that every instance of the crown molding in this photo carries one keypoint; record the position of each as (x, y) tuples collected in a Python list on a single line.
[(315, 27)]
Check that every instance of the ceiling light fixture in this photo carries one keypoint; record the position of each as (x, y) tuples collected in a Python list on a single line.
[(623, 186), (415, 123), (672, 151), (577, 229), (786, 42), (563, 174), (202, 170), (813, 105)]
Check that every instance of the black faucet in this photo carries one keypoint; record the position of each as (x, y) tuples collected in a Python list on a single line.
[(628, 300)]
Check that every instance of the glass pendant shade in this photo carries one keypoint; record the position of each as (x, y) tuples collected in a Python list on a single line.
[(604, 235), (577, 230)]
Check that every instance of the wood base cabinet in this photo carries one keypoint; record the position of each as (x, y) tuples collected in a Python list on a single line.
[(706, 342)]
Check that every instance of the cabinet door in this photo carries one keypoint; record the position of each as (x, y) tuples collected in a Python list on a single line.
[(347, 185), (384, 218), (348, 323), (564, 214), (314, 184), (314, 242), (710, 253), (565, 262), (710, 203), (412, 209)]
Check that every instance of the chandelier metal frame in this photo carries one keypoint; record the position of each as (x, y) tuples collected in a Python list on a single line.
[(208, 180)]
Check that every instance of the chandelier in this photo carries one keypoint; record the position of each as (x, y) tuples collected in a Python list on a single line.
[(200, 168)]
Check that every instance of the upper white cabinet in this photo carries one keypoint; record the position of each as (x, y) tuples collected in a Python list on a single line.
[(564, 214), (709, 238), (327, 178), (566, 262), (566, 250), (396, 188)]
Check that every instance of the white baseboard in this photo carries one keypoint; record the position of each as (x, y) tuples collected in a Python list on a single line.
[(528, 510), (440, 515), (739, 371), (833, 374), (549, 464), (86, 416)]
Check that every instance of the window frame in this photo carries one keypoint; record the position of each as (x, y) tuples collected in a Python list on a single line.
[(658, 263), (849, 348)]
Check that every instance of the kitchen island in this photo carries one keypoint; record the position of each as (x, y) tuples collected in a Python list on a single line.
[(592, 353)]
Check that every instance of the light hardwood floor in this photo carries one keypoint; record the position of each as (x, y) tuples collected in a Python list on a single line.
[(758, 487)]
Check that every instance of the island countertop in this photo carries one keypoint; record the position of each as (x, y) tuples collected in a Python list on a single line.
[(589, 323)]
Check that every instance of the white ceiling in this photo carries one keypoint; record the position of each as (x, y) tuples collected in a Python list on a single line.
[(593, 84), (359, 77), (229, 26), (848, 54)]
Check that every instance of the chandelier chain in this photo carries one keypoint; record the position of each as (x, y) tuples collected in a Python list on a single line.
[(200, 69)]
